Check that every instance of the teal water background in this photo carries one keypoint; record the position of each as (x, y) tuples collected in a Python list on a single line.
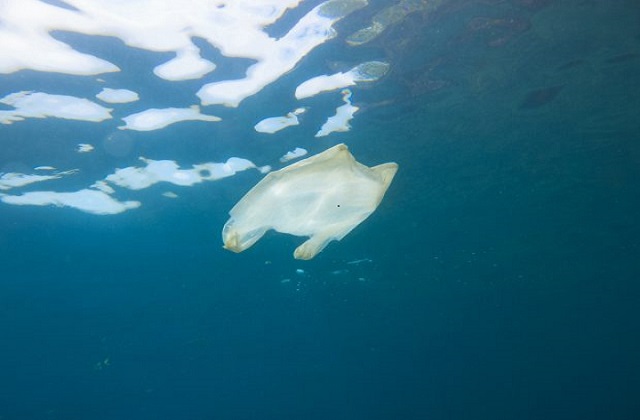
[(500, 273)]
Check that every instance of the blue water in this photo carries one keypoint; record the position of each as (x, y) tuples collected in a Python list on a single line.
[(500, 272)]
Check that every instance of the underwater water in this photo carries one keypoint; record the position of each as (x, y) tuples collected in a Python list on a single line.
[(497, 279)]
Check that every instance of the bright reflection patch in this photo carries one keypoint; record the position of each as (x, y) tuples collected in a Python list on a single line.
[(274, 124), (89, 201), (155, 119), (117, 96), (365, 72), (88, 69), (294, 154), (154, 171), (43, 105), (340, 121), (15, 180)]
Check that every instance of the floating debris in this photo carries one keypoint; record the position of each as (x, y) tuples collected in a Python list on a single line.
[(84, 148), (360, 261)]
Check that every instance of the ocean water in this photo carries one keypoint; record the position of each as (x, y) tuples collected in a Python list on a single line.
[(498, 279)]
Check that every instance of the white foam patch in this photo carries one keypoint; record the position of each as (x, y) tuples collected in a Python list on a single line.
[(274, 124), (15, 180), (340, 121), (86, 200), (235, 28), (26, 44), (103, 186), (98, 198), (117, 96), (277, 57), (294, 154), (155, 119), (324, 83), (154, 171), (186, 65), (42, 105), (365, 72)]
